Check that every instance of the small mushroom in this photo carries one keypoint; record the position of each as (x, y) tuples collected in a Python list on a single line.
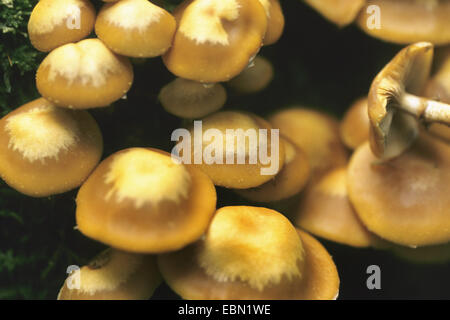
[(135, 28), (314, 132), (251, 253), (354, 127), (395, 104), (407, 21), (326, 212), (291, 179), (84, 75), (230, 147), (340, 12), (275, 21), (190, 99), (45, 150), (140, 200), (405, 199), (113, 275), (255, 78), (54, 23), (215, 39)]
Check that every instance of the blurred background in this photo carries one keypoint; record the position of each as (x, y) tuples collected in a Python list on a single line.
[(316, 65)]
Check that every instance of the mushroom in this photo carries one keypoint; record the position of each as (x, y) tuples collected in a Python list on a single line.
[(54, 23), (251, 253), (113, 275), (354, 127), (326, 212), (340, 12), (315, 133), (215, 39), (275, 21), (405, 199), (45, 150), (291, 179), (407, 21), (190, 99), (135, 28), (255, 78), (84, 75), (228, 147), (140, 200), (395, 104)]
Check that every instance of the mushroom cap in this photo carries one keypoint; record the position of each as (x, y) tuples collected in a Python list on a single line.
[(84, 75), (326, 212), (45, 150), (354, 127), (314, 132), (190, 99), (340, 12), (404, 200), (135, 28), (392, 131), (256, 77), (215, 39), (52, 23), (275, 21), (408, 21), (235, 175), (114, 275), (140, 200), (251, 253), (291, 179)]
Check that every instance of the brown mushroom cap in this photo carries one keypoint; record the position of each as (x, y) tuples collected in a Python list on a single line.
[(340, 12), (114, 275), (326, 212), (190, 99), (354, 127), (315, 133), (53, 23), (408, 21), (215, 39), (140, 200), (135, 28), (237, 175), (291, 179), (404, 200), (256, 77), (275, 21), (251, 253), (84, 75), (45, 150)]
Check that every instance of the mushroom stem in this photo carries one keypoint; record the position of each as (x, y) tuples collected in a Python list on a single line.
[(425, 109)]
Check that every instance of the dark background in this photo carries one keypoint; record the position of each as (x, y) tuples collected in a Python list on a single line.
[(316, 65)]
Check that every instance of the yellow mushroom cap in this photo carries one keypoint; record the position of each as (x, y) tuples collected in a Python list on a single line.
[(113, 275), (315, 133), (54, 23), (190, 99), (233, 133), (256, 77), (251, 253), (340, 12), (325, 211), (288, 182), (135, 28), (354, 127), (45, 150), (408, 21), (84, 75), (215, 39), (140, 200), (275, 21), (404, 200)]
